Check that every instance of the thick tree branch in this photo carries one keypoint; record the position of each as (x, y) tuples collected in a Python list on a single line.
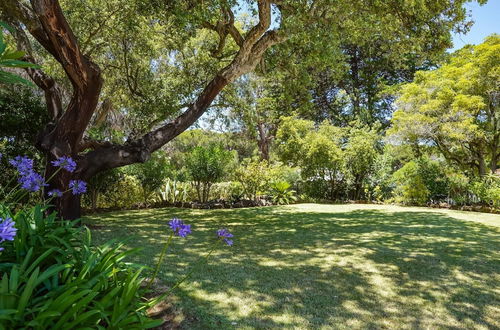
[(258, 40), (84, 76)]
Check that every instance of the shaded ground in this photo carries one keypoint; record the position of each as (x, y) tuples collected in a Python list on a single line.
[(325, 266)]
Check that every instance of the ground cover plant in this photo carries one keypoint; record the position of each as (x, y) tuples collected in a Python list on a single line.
[(327, 266)]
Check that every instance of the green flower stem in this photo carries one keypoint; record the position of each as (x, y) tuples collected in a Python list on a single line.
[(162, 255), (198, 263)]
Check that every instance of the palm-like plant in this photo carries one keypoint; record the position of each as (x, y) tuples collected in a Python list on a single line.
[(281, 193)]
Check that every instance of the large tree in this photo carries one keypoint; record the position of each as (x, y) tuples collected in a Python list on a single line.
[(73, 38), (456, 108)]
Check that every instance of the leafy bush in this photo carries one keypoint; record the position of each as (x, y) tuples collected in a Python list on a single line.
[(254, 176), (434, 177), (123, 194), (410, 187), (101, 184), (281, 193), (458, 187), (487, 189), (207, 165), (151, 175)]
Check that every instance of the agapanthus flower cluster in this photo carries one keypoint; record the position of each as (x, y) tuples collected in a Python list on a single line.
[(77, 187), (55, 193), (7, 230), (179, 227), (32, 181), (29, 179), (65, 162), (224, 234), (23, 164)]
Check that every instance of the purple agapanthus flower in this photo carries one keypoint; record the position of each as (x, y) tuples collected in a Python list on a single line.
[(32, 181), (179, 227), (184, 230), (224, 234), (23, 164), (65, 162), (77, 187), (7, 230), (55, 193)]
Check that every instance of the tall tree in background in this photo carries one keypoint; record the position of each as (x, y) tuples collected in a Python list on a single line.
[(456, 108), (79, 47)]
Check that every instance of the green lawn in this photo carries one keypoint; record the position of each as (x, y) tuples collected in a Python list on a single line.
[(312, 266)]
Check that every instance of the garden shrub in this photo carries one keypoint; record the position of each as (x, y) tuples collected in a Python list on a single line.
[(434, 177), (458, 187), (487, 189), (151, 175), (410, 187), (254, 176), (125, 193), (207, 165)]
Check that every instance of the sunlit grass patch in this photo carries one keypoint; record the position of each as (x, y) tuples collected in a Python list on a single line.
[(326, 266)]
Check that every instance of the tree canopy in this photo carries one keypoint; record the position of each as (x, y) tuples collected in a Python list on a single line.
[(123, 78), (456, 108)]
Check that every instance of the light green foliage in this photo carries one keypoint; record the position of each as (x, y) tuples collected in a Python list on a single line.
[(281, 172), (254, 175), (410, 186), (458, 185), (123, 194), (290, 138), (487, 189), (333, 160), (207, 165), (456, 107), (11, 58), (231, 191), (359, 156)]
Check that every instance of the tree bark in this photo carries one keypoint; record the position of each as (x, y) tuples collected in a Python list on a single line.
[(263, 141)]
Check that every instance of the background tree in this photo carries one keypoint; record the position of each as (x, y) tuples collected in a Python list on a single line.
[(360, 153), (456, 108)]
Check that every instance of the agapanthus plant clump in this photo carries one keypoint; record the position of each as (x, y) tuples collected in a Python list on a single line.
[(31, 255)]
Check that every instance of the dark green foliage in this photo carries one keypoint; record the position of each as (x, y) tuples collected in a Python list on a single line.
[(22, 116), (101, 184), (207, 165), (151, 174)]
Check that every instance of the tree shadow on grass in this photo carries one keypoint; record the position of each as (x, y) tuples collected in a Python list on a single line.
[(356, 269)]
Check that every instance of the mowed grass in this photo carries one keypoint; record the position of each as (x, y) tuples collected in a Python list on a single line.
[(311, 266)]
